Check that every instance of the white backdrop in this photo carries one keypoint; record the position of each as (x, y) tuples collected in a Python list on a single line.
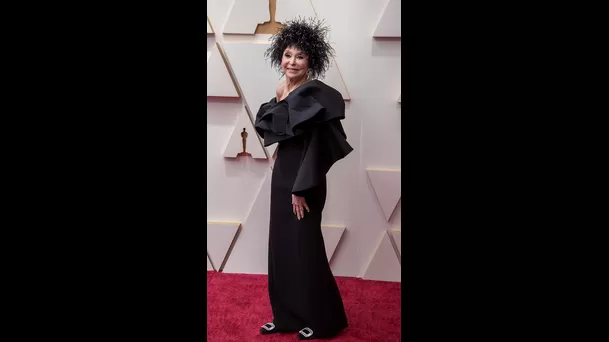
[(358, 203)]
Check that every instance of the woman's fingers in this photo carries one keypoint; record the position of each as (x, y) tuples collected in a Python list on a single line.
[(299, 205)]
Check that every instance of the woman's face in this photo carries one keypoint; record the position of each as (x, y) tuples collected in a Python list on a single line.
[(294, 63)]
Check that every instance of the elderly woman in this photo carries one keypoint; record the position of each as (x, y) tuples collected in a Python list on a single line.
[(304, 119)]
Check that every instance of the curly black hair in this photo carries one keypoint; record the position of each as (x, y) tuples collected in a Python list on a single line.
[(308, 35)]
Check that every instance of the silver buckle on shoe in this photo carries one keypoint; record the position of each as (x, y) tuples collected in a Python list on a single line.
[(306, 334), (265, 327)]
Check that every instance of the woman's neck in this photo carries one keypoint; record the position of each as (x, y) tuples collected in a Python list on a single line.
[(292, 84)]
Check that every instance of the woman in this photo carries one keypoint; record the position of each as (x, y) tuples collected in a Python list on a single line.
[(304, 119)]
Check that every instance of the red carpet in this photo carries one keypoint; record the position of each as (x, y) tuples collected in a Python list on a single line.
[(238, 304)]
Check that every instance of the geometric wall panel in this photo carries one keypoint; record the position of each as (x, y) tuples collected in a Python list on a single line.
[(252, 73), (250, 253), (290, 9), (332, 235), (220, 236), (390, 24), (244, 134), (396, 234), (209, 29), (334, 79), (272, 149), (387, 187), (245, 15), (210, 267), (385, 264), (219, 81), (216, 11)]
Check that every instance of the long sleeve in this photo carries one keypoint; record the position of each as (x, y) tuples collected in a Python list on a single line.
[(324, 146)]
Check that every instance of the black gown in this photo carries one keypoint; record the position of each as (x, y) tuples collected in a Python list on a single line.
[(306, 124)]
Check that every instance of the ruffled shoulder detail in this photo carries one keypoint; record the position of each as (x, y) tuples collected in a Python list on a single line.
[(310, 104)]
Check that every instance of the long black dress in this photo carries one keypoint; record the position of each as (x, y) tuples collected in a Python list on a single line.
[(306, 124)]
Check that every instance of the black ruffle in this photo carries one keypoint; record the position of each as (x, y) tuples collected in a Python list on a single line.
[(312, 103)]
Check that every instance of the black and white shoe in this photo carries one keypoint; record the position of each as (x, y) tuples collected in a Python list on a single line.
[(306, 334), (268, 328), (271, 328)]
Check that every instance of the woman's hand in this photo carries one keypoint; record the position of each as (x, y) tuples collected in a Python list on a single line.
[(298, 206)]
